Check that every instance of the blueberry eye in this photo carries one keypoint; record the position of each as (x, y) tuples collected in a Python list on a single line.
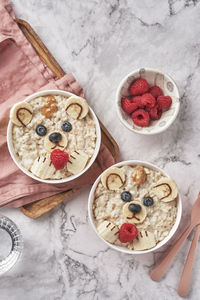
[(41, 130), (148, 201), (67, 126), (126, 196)]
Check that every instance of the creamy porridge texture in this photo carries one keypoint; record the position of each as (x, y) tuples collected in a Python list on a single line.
[(53, 136), (134, 206)]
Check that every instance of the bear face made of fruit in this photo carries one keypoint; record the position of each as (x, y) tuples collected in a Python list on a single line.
[(50, 136), (133, 211)]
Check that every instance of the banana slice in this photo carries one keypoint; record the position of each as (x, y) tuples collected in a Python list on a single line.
[(43, 167), (108, 231), (76, 107), (49, 146), (166, 190), (134, 218), (145, 240), (77, 162), (113, 179), (21, 113)]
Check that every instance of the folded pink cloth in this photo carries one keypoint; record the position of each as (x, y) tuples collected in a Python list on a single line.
[(21, 74)]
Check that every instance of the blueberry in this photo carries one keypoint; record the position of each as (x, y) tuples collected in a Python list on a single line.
[(55, 137), (134, 208), (41, 130), (148, 201), (126, 196), (67, 126)]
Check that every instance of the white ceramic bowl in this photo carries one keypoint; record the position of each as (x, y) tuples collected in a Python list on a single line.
[(153, 77), (123, 249), (67, 179)]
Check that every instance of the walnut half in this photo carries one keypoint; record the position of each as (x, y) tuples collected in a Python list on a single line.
[(139, 175)]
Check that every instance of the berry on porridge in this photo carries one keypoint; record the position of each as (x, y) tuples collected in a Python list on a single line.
[(144, 103), (134, 206), (127, 233), (54, 136)]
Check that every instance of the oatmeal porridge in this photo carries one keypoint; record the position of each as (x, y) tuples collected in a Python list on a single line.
[(134, 206), (54, 136)]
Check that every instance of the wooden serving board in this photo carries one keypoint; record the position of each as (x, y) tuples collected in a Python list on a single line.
[(40, 207)]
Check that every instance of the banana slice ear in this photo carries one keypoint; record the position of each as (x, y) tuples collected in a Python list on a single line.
[(134, 218), (145, 240), (77, 162), (21, 113), (112, 179), (76, 107), (166, 190)]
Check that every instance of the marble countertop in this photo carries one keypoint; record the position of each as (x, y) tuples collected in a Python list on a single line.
[(100, 42)]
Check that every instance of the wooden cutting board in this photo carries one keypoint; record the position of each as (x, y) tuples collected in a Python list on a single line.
[(40, 207)]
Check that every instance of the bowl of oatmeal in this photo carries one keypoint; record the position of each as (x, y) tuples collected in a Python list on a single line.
[(53, 136), (134, 207), (147, 101)]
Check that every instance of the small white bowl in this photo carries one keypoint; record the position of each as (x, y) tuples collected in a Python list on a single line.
[(153, 77), (123, 249), (67, 179)]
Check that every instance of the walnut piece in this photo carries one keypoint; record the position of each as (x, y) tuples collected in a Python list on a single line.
[(50, 107), (139, 175)]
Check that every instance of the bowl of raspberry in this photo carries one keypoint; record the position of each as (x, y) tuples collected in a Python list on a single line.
[(148, 101)]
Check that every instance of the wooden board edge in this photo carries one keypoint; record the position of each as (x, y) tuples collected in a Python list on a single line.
[(41, 207)]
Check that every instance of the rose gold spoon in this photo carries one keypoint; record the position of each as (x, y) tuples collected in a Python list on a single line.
[(184, 283), (158, 272)]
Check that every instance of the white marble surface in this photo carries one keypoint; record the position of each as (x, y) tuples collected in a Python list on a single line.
[(100, 42)]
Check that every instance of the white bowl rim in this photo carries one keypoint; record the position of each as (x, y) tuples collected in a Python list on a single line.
[(118, 99), (54, 181), (123, 249)]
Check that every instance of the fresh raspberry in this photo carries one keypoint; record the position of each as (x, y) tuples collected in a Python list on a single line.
[(59, 158), (156, 91), (139, 87), (155, 112), (140, 117), (128, 106), (164, 101), (127, 232), (148, 100), (137, 99)]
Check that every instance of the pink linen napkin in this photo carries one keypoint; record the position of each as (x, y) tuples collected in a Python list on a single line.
[(21, 74)]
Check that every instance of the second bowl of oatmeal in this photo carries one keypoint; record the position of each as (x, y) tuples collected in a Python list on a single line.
[(134, 207), (53, 136)]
